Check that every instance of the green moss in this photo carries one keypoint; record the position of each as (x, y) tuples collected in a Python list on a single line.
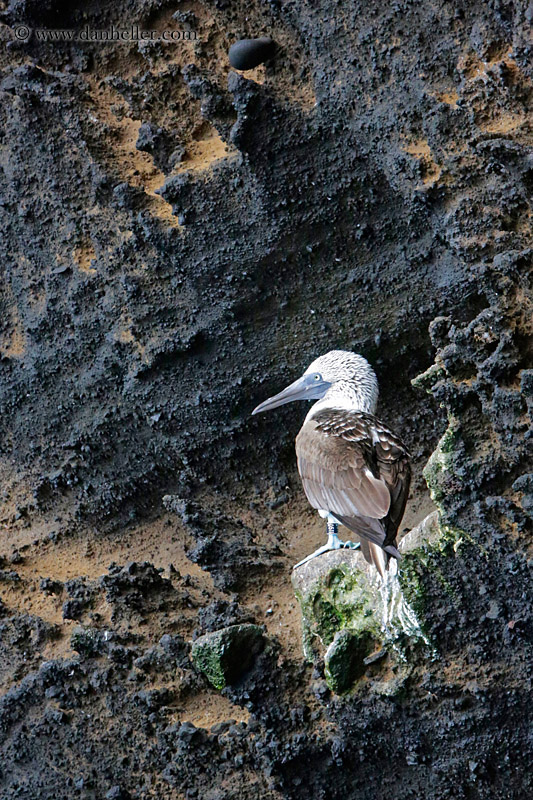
[(307, 637), (223, 656), (429, 562), (327, 618), (342, 599), (441, 462), (344, 659), (208, 660), (427, 380)]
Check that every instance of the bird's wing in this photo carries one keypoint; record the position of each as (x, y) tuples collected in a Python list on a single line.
[(354, 466)]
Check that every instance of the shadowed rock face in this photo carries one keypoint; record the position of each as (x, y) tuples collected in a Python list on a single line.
[(179, 241)]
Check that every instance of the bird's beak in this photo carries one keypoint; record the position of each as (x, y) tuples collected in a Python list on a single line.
[(305, 388)]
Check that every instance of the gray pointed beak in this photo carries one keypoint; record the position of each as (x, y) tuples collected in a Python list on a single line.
[(305, 388)]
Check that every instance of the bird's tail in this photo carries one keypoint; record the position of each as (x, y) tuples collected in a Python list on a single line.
[(372, 536), (375, 555)]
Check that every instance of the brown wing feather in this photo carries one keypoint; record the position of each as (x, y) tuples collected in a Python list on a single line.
[(354, 466)]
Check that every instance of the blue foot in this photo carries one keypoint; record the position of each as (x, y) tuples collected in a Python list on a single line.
[(333, 543)]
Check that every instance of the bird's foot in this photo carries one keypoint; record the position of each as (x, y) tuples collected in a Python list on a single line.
[(333, 543)]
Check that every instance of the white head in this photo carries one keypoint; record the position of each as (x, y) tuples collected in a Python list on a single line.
[(338, 379)]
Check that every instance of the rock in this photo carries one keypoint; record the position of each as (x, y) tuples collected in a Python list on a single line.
[(135, 586), (427, 532), (158, 142), (345, 659), (225, 655), (524, 484), (50, 586), (249, 53), (72, 609), (9, 576), (118, 793), (88, 642), (338, 591)]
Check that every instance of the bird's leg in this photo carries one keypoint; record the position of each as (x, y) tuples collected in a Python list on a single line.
[(332, 527), (333, 543)]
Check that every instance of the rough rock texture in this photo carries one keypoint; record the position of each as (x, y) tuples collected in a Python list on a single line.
[(338, 591), (225, 655), (345, 658), (178, 242)]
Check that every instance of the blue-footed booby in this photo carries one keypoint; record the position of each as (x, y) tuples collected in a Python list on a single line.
[(354, 469)]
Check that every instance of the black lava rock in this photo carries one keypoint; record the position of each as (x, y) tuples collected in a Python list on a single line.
[(249, 53), (118, 793)]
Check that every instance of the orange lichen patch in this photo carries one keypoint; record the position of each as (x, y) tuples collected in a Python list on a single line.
[(420, 149), (162, 542), (304, 96), (88, 556), (276, 607), (12, 334), (503, 122), (83, 256), (138, 168), (13, 342), (124, 336), (123, 333), (299, 93), (257, 75), (524, 223), (24, 597), (471, 67), (131, 165), (206, 148), (205, 152), (208, 708), (450, 97)]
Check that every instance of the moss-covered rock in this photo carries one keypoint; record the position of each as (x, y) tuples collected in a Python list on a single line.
[(225, 655), (425, 551), (337, 591), (345, 658), (428, 379), (348, 611), (439, 471)]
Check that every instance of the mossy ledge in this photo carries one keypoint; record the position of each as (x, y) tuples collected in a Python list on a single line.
[(337, 592)]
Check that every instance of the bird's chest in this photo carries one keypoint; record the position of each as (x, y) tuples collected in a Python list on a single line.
[(315, 446)]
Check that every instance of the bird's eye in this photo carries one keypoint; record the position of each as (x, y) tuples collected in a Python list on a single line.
[(318, 377)]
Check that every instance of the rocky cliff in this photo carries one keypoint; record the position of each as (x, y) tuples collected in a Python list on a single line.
[(179, 241)]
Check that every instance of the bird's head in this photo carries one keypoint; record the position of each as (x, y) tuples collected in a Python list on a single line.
[(345, 377)]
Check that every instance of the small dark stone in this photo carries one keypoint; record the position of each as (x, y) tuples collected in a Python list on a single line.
[(51, 586), (249, 53), (279, 501), (9, 575), (220, 727), (117, 793), (72, 609)]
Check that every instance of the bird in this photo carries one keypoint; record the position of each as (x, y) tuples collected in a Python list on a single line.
[(355, 470)]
